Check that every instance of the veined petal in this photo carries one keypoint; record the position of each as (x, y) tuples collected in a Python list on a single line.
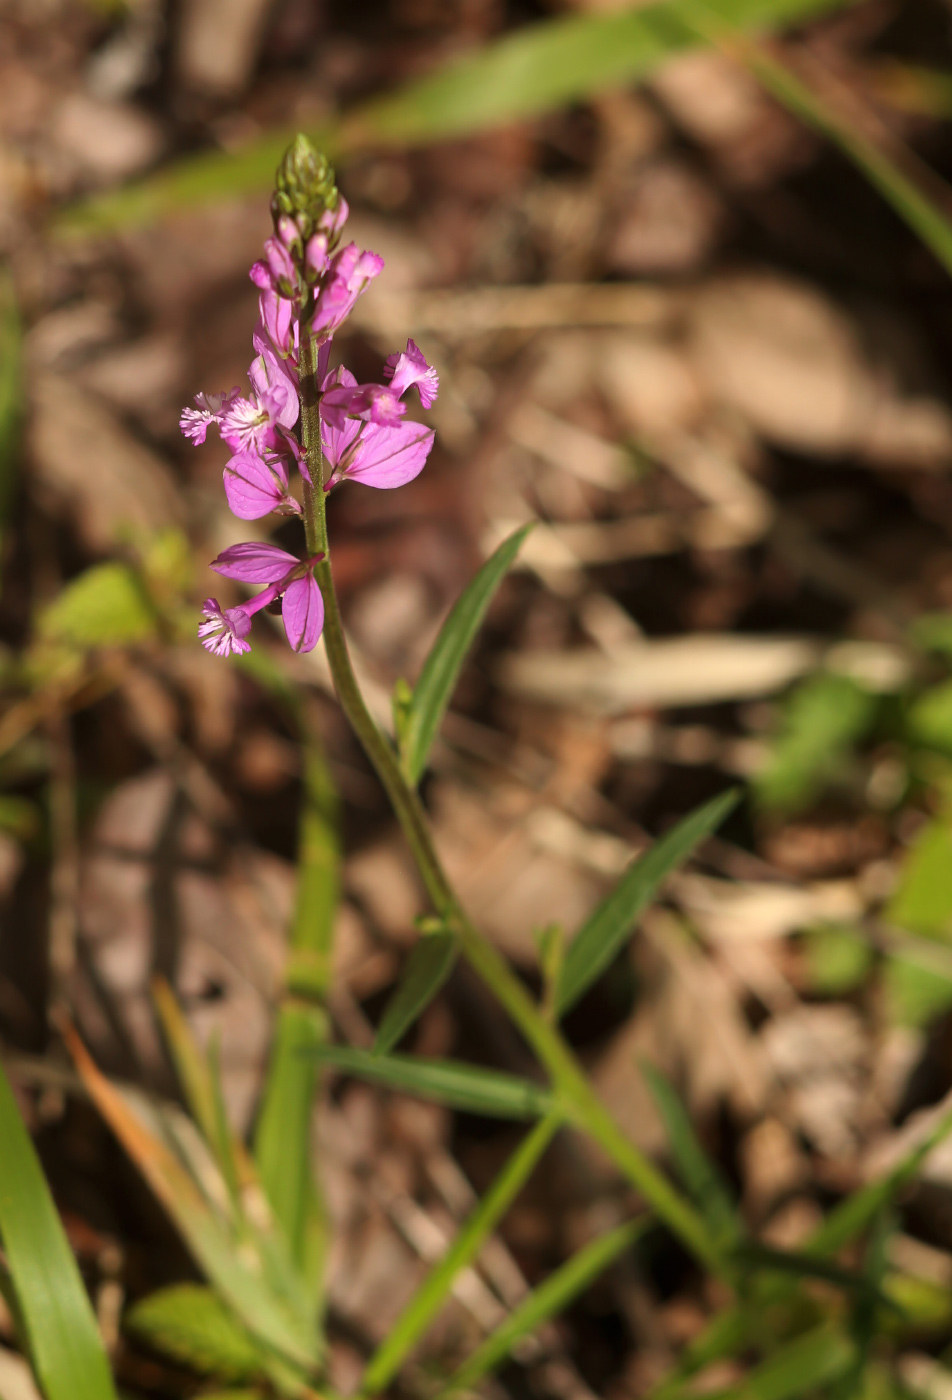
[(275, 388), (303, 611), (253, 486), (254, 562), (338, 436), (410, 368), (389, 457)]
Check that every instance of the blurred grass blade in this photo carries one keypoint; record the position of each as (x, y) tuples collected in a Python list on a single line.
[(190, 1066), (458, 1085), (796, 1369), (273, 1320), (423, 715), (604, 934), (11, 394), (435, 1289), (881, 168), (283, 1132), (701, 1178), (428, 967), (538, 68), (190, 1324), (61, 1332), (549, 1298)]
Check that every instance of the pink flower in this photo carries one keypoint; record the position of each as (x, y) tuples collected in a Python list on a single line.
[(302, 607), (385, 457), (251, 424), (374, 403), (409, 368), (276, 270), (256, 485), (277, 328), (349, 274), (195, 422)]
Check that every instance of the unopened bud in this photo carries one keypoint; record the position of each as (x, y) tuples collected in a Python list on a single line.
[(304, 188)]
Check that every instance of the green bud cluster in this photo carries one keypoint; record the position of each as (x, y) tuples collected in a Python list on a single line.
[(304, 188)]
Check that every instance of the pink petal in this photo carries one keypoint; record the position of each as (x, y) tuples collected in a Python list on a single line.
[(254, 488), (303, 613), (337, 438), (254, 562), (389, 457), (410, 368)]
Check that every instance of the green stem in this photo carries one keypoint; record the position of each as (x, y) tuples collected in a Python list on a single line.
[(581, 1103)]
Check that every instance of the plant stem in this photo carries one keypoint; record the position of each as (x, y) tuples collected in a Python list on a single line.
[(581, 1103)]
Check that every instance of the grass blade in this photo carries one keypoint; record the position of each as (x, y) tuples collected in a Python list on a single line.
[(540, 67), (550, 1298), (796, 1369), (428, 967), (61, 1332), (423, 715), (604, 934), (433, 1292), (458, 1085), (700, 1176), (192, 1325), (283, 1133)]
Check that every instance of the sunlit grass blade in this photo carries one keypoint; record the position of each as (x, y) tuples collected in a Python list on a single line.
[(428, 967), (61, 1332), (283, 1133), (421, 720), (275, 1322), (191, 1067), (522, 75), (458, 1085), (796, 1369), (700, 1176), (546, 1301), (435, 1289), (11, 393), (911, 202), (604, 934)]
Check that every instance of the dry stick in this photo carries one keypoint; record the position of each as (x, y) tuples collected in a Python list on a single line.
[(581, 1103)]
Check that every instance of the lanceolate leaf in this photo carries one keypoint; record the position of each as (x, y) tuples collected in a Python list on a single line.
[(192, 1325), (429, 965), (601, 938), (422, 716), (61, 1331), (466, 1087)]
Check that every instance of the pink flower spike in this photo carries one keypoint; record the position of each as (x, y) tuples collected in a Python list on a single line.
[(303, 612), (223, 632), (387, 457), (275, 388), (254, 562), (410, 368), (255, 487), (374, 403), (195, 422), (315, 254), (350, 273)]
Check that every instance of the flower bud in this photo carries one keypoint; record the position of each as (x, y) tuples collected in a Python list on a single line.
[(304, 188)]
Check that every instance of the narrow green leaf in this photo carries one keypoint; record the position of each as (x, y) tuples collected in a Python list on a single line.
[(700, 1176), (190, 1067), (192, 1325), (433, 1292), (61, 1332), (604, 934), (546, 1301), (428, 967), (461, 1086), (11, 394), (422, 716), (796, 1369), (283, 1131)]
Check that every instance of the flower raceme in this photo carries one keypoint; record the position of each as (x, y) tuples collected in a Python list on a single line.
[(307, 289)]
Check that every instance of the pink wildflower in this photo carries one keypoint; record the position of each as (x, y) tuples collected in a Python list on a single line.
[(409, 368), (224, 630), (350, 273), (302, 607), (255, 486), (195, 422), (252, 424)]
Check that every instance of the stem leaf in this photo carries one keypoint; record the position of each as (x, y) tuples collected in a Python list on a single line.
[(61, 1332), (424, 713), (604, 933), (466, 1087), (428, 967)]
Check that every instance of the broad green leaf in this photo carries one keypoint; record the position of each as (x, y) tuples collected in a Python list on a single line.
[(538, 68), (700, 1176), (461, 1086), (283, 1131), (549, 1299), (822, 719), (915, 993), (428, 967), (796, 1369), (277, 1319), (435, 1289), (105, 606), (11, 394), (422, 716), (604, 934), (922, 901), (192, 1325), (61, 1332), (838, 957), (930, 718)]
